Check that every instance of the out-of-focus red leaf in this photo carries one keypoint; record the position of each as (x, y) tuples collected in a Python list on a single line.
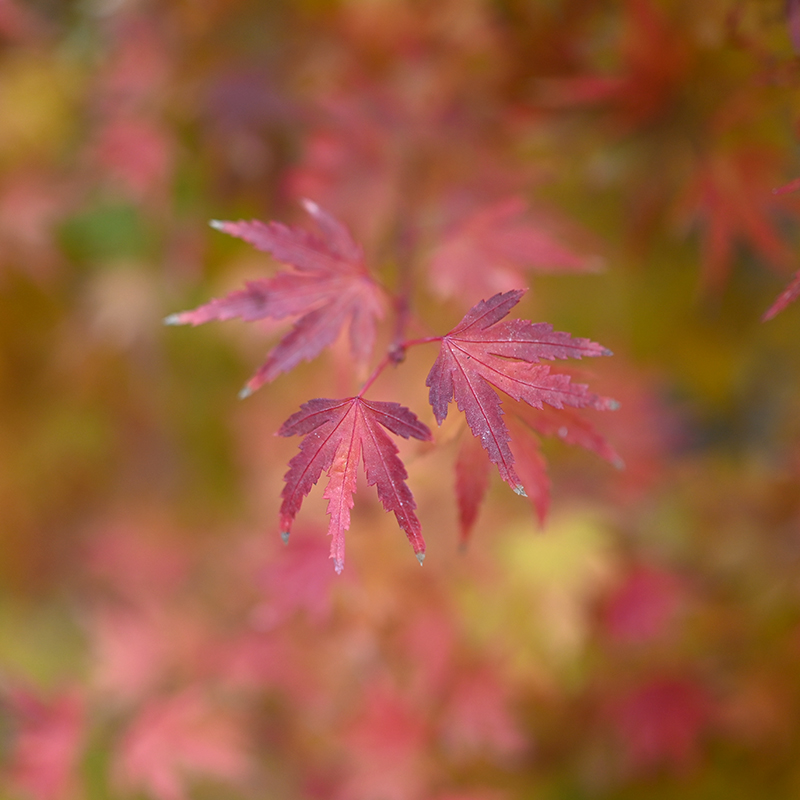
[(477, 722), (785, 298), (792, 186), (730, 194), (532, 469), (354, 161), (482, 352), (488, 251), (338, 433), (254, 661), (31, 204), (793, 14), (136, 154), (130, 652), (44, 759), (571, 428), (661, 722), (329, 289), (655, 60), (299, 578), (387, 750), (136, 566), (429, 641), (472, 481), (18, 23), (136, 72), (646, 435), (176, 739), (642, 606)]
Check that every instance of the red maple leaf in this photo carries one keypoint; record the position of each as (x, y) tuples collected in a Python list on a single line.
[(785, 298), (330, 288), (472, 482), (661, 722), (44, 761), (487, 251), (174, 739), (728, 194), (338, 433), (387, 747), (655, 59), (532, 469), (571, 428), (482, 352)]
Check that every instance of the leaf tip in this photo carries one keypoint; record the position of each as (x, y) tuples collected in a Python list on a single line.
[(611, 405), (285, 537), (520, 490), (618, 463), (420, 558), (310, 206), (245, 392), (607, 352), (217, 224), (173, 319), (772, 311), (338, 565)]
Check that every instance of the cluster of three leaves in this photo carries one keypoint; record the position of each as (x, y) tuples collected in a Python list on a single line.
[(330, 288)]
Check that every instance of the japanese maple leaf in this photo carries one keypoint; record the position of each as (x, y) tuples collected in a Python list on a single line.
[(44, 762), (532, 469), (477, 719), (488, 251), (728, 194), (662, 721), (387, 749), (472, 483), (174, 739), (482, 354), (330, 288), (571, 428), (338, 433), (655, 60)]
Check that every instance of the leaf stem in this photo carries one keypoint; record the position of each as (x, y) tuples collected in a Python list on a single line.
[(395, 355)]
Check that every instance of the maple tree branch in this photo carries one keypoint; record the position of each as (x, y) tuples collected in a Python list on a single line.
[(382, 364)]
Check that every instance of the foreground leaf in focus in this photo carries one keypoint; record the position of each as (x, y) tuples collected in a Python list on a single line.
[(482, 354), (329, 289), (338, 433)]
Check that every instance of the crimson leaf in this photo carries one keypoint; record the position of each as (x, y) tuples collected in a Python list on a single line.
[(482, 352), (338, 433), (329, 288)]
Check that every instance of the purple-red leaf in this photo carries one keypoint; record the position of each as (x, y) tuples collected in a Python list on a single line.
[(338, 435), (482, 354), (329, 289)]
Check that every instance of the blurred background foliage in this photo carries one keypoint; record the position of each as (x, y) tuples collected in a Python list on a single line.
[(157, 641)]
